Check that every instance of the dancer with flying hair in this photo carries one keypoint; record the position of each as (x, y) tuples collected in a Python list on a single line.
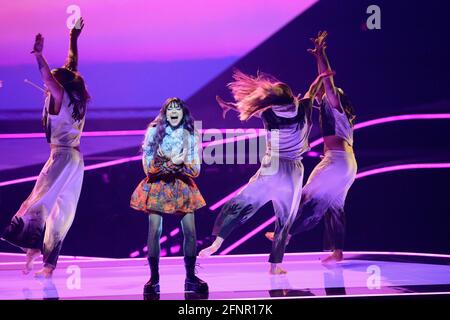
[(287, 121), (45, 217), (326, 190)]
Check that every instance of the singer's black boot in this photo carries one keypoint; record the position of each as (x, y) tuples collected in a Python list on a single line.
[(152, 286), (192, 282)]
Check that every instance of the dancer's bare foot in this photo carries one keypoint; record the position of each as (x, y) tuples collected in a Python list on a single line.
[(32, 254), (271, 236), (275, 269), (211, 249), (336, 256), (45, 272)]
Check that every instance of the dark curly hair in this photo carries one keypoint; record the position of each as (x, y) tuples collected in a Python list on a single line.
[(73, 84), (347, 106), (161, 123)]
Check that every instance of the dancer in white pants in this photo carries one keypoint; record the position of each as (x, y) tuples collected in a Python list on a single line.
[(45, 217), (287, 120), (326, 190)]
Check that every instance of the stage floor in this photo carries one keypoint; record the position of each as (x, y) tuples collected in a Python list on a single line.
[(234, 277)]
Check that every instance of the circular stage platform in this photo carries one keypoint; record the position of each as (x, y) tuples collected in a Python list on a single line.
[(235, 277)]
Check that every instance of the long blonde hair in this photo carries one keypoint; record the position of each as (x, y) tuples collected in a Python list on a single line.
[(256, 94)]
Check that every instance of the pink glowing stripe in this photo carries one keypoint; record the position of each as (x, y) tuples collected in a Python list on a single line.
[(400, 167), (93, 260), (258, 133), (374, 122), (16, 181), (174, 232), (224, 200), (131, 159), (313, 144), (162, 240), (423, 116), (84, 134), (360, 175), (116, 133), (248, 236), (358, 126), (110, 163)]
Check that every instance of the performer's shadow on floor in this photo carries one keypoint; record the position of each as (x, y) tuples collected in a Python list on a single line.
[(333, 279), (49, 290), (187, 296), (281, 287)]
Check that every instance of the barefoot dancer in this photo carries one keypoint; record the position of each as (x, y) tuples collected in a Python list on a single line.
[(45, 217), (171, 161), (287, 121), (325, 192)]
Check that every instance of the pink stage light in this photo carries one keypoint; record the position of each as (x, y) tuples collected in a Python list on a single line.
[(134, 254), (112, 133), (224, 200), (175, 249), (313, 154), (413, 166), (163, 239), (174, 232), (201, 30)]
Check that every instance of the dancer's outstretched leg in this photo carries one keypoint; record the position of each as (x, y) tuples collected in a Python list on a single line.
[(239, 209), (212, 248), (334, 235)]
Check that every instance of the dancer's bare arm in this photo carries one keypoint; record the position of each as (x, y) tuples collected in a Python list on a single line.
[(323, 65), (56, 90), (315, 85), (72, 56)]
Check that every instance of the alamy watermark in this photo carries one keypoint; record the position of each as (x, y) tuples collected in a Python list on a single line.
[(374, 20), (73, 281), (374, 279)]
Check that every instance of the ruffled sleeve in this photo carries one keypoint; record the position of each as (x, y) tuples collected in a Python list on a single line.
[(191, 166)]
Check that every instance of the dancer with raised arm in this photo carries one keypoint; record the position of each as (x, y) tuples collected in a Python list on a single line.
[(287, 120), (171, 160), (45, 217), (326, 190)]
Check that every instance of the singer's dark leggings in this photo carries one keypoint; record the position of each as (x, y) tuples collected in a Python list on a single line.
[(155, 229)]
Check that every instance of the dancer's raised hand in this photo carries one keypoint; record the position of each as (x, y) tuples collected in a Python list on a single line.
[(76, 30), (38, 44), (319, 43)]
